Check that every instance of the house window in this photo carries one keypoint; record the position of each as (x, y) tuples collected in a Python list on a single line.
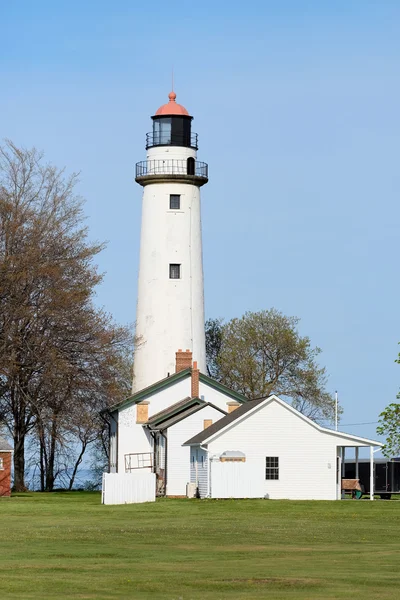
[(1, 464), (272, 467), (174, 201), (174, 271)]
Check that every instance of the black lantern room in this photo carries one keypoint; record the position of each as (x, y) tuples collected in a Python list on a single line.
[(172, 126)]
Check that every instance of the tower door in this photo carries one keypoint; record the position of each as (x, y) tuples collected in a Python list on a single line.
[(190, 166)]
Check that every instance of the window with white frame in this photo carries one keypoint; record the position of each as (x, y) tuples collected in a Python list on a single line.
[(1, 463), (272, 467)]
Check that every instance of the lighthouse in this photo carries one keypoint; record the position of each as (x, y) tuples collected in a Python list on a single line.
[(170, 303)]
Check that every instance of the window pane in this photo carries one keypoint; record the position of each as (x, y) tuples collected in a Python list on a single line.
[(165, 135), (156, 132), (162, 131), (272, 467), (174, 271), (175, 201)]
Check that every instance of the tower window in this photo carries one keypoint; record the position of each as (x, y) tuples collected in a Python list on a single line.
[(174, 271), (175, 201)]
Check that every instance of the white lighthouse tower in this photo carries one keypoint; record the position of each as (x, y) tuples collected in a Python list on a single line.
[(170, 306)]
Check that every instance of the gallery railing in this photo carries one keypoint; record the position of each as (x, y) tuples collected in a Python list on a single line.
[(172, 166), (171, 139)]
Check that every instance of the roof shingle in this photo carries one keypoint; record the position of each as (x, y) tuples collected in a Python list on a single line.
[(215, 427)]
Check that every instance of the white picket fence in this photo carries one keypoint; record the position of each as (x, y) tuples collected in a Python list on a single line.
[(128, 488)]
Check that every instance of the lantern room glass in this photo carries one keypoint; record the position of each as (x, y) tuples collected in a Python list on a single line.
[(162, 131)]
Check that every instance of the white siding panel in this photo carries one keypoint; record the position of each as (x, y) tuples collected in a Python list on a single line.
[(193, 465), (113, 442), (234, 480), (202, 472), (178, 456), (307, 457), (121, 488), (215, 396), (132, 436)]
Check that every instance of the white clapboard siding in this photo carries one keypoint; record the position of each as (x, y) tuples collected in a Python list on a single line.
[(178, 456), (202, 473), (307, 456), (113, 443), (133, 437), (128, 488), (216, 397), (193, 478), (199, 465)]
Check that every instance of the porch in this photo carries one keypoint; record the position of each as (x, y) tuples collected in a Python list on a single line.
[(344, 483)]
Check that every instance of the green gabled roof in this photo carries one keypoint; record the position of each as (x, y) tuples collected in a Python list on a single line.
[(222, 388), (173, 410), (151, 389), (191, 409), (172, 379)]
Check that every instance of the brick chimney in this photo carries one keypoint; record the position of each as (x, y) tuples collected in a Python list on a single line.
[(183, 360), (195, 381)]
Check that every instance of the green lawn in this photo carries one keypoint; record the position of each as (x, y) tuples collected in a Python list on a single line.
[(67, 545)]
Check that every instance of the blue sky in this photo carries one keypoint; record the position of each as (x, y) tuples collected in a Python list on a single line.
[(296, 105)]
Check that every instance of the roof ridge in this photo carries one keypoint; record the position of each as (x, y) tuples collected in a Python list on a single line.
[(149, 390), (181, 404)]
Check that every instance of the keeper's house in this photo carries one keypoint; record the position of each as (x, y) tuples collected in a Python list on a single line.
[(5, 468), (148, 429), (267, 449)]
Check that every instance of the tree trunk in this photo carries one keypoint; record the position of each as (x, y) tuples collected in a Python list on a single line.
[(50, 476), (42, 464), (19, 443), (19, 462), (78, 462)]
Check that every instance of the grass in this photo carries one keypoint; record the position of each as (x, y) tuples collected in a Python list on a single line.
[(67, 545)]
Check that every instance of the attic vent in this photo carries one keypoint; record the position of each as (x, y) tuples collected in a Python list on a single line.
[(232, 456)]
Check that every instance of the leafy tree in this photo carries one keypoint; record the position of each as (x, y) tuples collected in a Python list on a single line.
[(262, 353), (213, 345), (389, 426)]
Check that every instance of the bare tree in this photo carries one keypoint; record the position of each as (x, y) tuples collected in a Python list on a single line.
[(47, 283)]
